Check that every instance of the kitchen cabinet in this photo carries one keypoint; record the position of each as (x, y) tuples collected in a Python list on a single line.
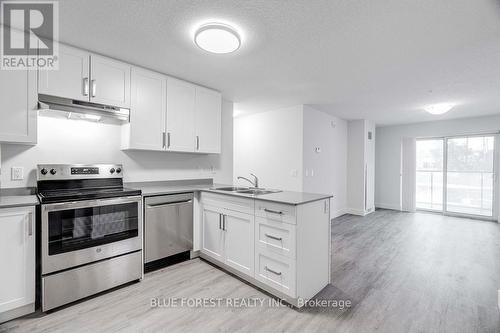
[(228, 229), (213, 235), (146, 129), (239, 243), (109, 81), (17, 259), (269, 244), (281, 248), (180, 130), (71, 80), (18, 105), (208, 106), (87, 77)]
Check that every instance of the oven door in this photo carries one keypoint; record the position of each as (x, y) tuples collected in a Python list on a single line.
[(81, 232)]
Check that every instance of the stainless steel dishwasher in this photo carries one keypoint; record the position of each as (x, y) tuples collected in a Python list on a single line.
[(168, 226)]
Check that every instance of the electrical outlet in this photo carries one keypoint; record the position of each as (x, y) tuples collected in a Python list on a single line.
[(17, 173), (294, 173)]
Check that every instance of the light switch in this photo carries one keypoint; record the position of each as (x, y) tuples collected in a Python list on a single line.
[(17, 173)]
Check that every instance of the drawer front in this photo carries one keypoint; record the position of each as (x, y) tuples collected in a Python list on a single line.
[(275, 211), (276, 237), (230, 202), (276, 273)]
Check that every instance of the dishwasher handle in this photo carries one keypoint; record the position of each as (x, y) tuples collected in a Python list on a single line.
[(160, 205)]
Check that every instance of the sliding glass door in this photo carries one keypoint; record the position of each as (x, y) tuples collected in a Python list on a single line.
[(470, 175), (429, 180), (456, 175)]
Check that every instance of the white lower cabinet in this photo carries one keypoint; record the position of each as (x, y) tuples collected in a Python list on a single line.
[(213, 235), (284, 249), (239, 244), (17, 259), (228, 237)]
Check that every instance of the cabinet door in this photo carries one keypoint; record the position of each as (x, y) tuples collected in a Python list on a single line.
[(18, 106), (110, 81), (180, 116), (213, 235), (208, 106), (147, 110), (239, 241), (71, 80), (17, 258)]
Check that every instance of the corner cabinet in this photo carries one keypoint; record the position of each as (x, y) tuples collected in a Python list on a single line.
[(87, 77), (281, 248), (167, 114), (17, 259), (18, 105)]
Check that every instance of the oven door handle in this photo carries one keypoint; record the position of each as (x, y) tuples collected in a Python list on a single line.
[(90, 203)]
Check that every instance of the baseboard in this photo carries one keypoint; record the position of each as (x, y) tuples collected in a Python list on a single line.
[(353, 211), (388, 206), (338, 213)]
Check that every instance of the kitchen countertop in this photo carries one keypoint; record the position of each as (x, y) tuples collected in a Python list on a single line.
[(17, 197), (173, 187)]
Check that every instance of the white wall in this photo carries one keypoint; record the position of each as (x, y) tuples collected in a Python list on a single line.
[(356, 166), (325, 172), (73, 141), (388, 147), (279, 146), (269, 144)]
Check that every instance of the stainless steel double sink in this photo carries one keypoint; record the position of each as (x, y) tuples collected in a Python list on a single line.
[(246, 190)]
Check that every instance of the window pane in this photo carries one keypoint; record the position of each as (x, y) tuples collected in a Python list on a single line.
[(470, 175), (430, 174)]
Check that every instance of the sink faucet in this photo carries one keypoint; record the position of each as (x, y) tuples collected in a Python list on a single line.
[(255, 182)]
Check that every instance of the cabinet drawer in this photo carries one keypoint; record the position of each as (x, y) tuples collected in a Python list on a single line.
[(276, 237), (231, 202), (276, 273), (275, 211)]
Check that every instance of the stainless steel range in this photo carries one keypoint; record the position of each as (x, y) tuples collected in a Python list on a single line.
[(91, 231)]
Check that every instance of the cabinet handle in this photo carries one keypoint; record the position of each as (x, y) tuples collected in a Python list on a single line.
[(197, 142), (273, 211), (272, 271), (224, 222), (274, 237), (93, 85), (164, 139), (168, 140), (220, 221), (30, 224), (85, 86)]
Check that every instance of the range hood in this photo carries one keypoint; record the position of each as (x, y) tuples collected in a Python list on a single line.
[(47, 102)]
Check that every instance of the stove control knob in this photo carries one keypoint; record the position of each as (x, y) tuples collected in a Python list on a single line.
[(43, 171), (112, 170), (118, 170), (53, 171)]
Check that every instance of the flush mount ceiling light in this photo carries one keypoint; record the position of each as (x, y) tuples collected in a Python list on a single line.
[(217, 38), (441, 108)]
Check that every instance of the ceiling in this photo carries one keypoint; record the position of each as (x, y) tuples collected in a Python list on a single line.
[(380, 60)]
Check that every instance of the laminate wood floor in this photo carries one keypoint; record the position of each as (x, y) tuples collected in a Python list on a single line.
[(403, 273)]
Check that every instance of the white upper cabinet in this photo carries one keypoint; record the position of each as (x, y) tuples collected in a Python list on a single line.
[(87, 77), (208, 106), (180, 116), (17, 257), (18, 106), (72, 78), (146, 129), (109, 82)]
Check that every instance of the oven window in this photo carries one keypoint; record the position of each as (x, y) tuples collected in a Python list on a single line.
[(76, 229)]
